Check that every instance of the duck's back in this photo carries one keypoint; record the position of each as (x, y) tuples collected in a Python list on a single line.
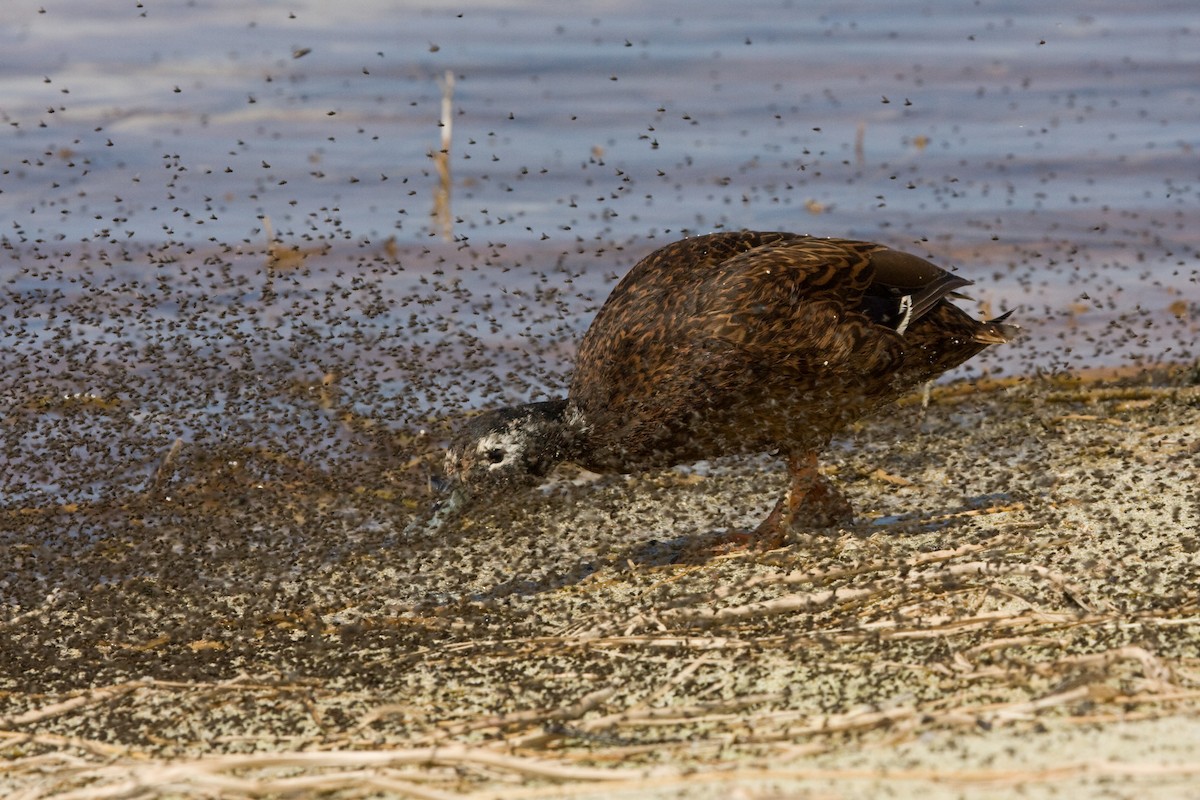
[(742, 342)]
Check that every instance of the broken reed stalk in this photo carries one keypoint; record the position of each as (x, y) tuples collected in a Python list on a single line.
[(224, 775), (439, 772), (162, 473), (441, 160)]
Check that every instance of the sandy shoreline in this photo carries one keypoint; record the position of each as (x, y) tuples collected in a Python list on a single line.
[(1016, 611)]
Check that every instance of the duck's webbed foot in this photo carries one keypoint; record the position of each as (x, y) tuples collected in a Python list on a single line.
[(811, 501)]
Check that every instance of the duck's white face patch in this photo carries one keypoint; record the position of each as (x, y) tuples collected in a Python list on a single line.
[(498, 450)]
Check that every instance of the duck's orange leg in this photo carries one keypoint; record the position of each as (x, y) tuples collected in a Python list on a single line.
[(811, 501)]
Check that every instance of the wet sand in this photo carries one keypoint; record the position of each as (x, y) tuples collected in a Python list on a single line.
[(1016, 612)]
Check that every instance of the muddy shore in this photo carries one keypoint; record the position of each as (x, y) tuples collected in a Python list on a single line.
[(1016, 611)]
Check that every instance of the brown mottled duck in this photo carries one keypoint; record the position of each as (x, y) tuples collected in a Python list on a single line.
[(736, 343)]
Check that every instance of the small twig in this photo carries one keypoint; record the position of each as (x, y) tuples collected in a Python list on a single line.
[(93, 697), (1157, 672), (55, 740), (535, 716), (717, 711)]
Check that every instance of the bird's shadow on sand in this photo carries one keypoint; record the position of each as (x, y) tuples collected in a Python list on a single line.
[(700, 548), (705, 547)]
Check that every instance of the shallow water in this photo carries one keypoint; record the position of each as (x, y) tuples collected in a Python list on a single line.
[(1047, 151)]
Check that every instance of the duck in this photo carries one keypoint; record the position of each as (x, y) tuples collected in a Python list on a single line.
[(733, 343)]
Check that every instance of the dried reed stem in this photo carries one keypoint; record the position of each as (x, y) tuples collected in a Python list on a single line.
[(441, 161)]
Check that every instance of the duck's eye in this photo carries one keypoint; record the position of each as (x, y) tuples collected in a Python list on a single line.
[(494, 455)]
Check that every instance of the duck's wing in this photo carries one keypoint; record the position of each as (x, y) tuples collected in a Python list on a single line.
[(807, 305), (834, 296)]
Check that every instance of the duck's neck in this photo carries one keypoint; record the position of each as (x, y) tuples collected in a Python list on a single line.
[(559, 429)]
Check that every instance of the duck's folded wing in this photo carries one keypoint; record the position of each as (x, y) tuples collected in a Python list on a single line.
[(798, 305)]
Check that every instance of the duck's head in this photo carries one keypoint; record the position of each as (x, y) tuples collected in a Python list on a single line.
[(509, 448)]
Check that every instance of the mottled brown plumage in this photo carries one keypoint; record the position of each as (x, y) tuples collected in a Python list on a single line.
[(737, 343)]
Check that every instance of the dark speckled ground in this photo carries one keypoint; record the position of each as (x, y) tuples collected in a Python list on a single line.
[(1026, 561)]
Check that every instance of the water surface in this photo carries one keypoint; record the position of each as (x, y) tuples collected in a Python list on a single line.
[(151, 152)]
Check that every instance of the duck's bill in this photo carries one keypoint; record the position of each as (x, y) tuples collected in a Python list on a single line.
[(443, 511)]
